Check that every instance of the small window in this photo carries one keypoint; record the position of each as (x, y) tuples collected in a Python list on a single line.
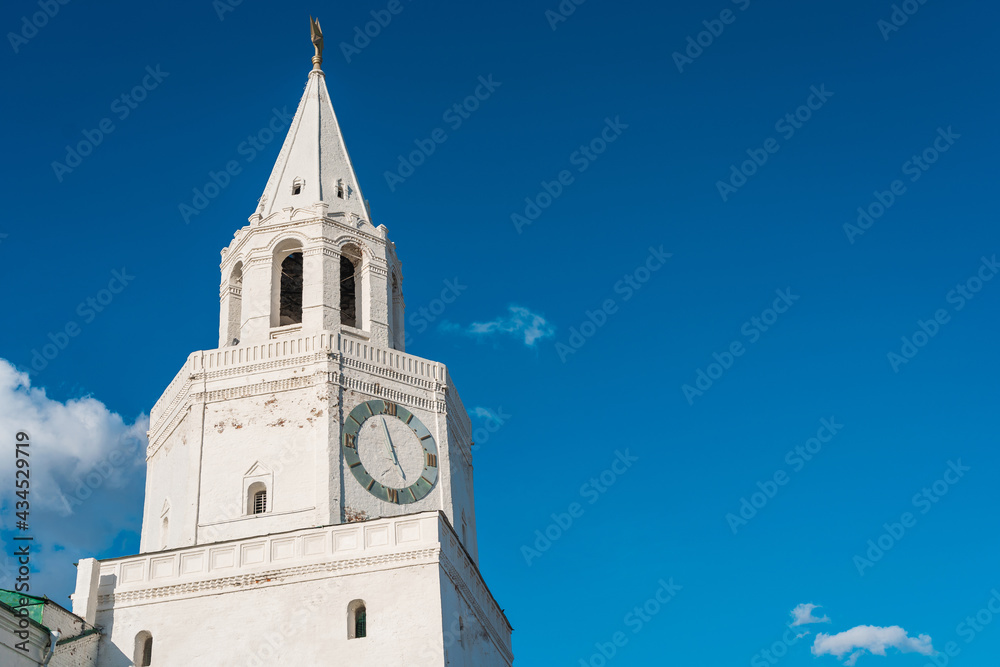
[(357, 620), (340, 189), (257, 499), (297, 186), (143, 656), (164, 532)]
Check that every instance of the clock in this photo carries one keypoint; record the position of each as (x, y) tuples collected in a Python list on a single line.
[(390, 452)]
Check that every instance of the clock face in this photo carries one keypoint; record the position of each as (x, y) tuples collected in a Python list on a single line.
[(390, 452)]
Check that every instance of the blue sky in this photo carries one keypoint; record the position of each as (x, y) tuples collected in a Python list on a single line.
[(648, 154)]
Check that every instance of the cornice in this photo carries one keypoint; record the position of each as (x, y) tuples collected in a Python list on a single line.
[(237, 246), (263, 579)]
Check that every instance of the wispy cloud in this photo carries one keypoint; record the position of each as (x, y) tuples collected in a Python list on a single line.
[(872, 639), (803, 615), (87, 477), (518, 322)]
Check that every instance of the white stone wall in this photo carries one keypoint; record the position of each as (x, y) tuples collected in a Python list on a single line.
[(275, 412), (81, 652), (283, 599)]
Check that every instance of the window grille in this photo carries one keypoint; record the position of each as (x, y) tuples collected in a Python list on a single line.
[(260, 502), (360, 623)]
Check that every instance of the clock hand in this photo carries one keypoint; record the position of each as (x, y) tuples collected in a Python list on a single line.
[(392, 449)]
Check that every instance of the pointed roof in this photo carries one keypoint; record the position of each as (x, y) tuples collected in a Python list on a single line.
[(313, 160)]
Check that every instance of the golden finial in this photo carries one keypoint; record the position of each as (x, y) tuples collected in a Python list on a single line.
[(317, 40)]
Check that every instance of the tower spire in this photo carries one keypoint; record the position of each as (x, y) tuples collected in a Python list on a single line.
[(317, 40), (313, 164)]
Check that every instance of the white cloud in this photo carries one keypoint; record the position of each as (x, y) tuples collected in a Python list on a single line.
[(87, 477), (870, 638), (803, 615), (518, 322)]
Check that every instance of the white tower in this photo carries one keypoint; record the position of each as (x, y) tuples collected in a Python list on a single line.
[(309, 484)]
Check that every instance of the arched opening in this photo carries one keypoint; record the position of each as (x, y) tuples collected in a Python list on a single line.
[(297, 186), (164, 532), (286, 284), (257, 498), (340, 189), (143, 654), (291, 290), (235, 296), (396, 314), (350, 262), (357, 620)]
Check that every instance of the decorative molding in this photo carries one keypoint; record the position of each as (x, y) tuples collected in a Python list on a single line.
[(265, 578), (259, 389), (376, 390)]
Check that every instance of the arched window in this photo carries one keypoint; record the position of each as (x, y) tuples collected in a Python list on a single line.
[(287, 278), (297, 186), (291, 290), (350, 261), (357, 620), (235, 296), (340, 189), (396, 314), (257, 498), (143, 654)]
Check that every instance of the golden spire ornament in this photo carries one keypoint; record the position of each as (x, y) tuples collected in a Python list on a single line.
[(317, 40)]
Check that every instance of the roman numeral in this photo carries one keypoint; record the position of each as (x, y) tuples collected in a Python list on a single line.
[(393, 495), (390, 408), (432, 460), (350, 440)]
